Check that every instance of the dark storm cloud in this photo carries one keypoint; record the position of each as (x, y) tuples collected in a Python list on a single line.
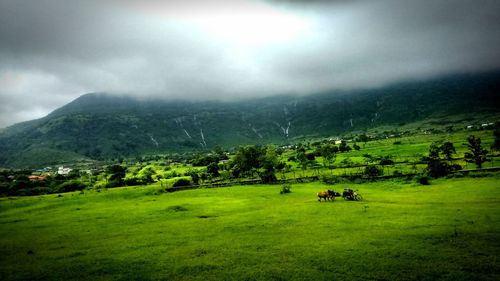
[(53, 51)]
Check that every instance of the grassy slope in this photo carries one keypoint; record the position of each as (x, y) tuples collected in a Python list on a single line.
[(449, 230), (411, 149)]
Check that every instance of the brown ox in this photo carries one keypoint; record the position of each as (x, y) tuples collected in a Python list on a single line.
[(327, 195)]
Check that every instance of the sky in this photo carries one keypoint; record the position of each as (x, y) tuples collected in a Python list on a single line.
[(53, 51)]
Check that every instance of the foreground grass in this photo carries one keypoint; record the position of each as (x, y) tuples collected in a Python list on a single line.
[(448, 230)]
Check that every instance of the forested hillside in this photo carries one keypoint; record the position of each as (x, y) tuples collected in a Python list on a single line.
[(103, 126)]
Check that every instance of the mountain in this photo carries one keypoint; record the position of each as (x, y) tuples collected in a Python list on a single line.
[(103, 126)]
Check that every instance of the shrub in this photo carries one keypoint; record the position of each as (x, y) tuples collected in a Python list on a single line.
[(41, 190), (195, 177), (213, 169), (114, 183), (397, 173), (286, 188), (182, 182), (132, 181), (386, 161), (71, 185), (438, 168), (267, 176), (456, 167), (310, 156), (373, 171), (423, 180)]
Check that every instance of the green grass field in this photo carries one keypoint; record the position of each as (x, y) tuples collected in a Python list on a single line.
[(449, 230)]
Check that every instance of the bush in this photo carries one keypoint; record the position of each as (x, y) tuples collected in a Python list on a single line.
[(182, 182), (132, 181), (438, 168), (114, 183), (70, 186), (456, 167), (423, 180), (267, 176), (41, 190), (195, 177), (386, 161), (373, 171), (286, 188), (397, 173), (310, 156)]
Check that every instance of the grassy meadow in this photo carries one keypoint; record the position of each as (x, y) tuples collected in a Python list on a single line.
[(449, 230)]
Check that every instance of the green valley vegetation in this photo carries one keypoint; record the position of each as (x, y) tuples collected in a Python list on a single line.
[(428, 211), (103, 127), (220, 192), (418, 153)]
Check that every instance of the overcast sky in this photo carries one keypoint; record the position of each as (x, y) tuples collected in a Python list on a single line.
[(53, 51)]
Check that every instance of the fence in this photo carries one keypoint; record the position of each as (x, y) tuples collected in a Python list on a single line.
[(313, 178)]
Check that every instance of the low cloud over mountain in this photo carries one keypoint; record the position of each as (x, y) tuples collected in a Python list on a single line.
[(53, 51)]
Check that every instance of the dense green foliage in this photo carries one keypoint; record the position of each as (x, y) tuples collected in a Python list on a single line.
[(379, 158), (496, 144), (182, 182), (477, 154), (436, 167)]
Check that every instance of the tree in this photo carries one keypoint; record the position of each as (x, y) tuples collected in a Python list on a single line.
[(447, 149), (145, 175), (386, 160), (195, 177), (116, 175), (373, 171), (436, 167), (213, 169), (251, 160), (248, 158), (364, 138), (329, 154), (302, 157), (496, 133), (477, 154), (335, 149), (343, 147), (356, 146), (269, 162), (368, 158), (434, 151), (181, 182)]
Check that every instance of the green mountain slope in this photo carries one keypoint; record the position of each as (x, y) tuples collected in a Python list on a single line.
[(102, 126)]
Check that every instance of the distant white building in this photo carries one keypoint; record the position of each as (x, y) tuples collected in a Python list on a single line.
[(63, 171)]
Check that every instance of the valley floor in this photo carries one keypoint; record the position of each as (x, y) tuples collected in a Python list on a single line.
[(449, 230)]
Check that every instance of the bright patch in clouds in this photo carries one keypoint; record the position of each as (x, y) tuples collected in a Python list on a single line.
[(52, 51), (254, 29), (235, 22)]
